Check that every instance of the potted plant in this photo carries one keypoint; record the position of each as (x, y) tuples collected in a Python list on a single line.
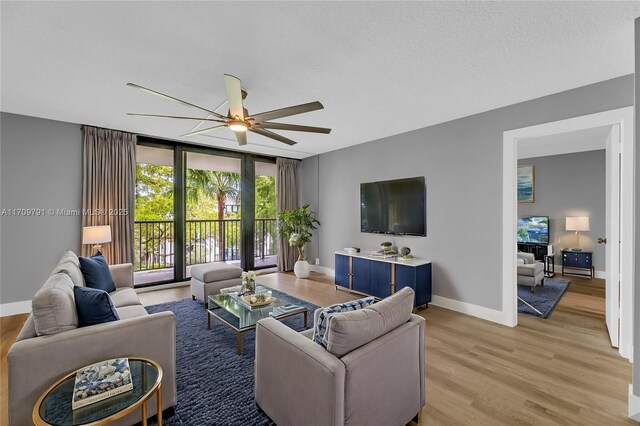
[(296, 226), (386, 246)]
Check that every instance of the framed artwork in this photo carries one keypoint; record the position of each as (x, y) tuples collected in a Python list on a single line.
[(526, 183)]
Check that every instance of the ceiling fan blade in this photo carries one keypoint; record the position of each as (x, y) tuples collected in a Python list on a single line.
[(179, 117), (197, 132), (272, 135), (162, 95), (234, 96), (241, 137), (293, 127), (285, 112)]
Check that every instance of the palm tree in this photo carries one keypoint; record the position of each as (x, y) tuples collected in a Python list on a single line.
[(221, 185)]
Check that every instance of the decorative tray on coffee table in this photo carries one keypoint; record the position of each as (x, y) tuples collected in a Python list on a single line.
[(246, 300)]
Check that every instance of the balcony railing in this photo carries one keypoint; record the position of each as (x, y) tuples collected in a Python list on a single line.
[(206, 241)]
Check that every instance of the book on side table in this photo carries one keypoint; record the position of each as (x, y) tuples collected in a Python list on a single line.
[(101, 381)]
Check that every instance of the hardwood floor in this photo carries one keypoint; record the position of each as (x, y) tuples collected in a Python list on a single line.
[(558, 371)]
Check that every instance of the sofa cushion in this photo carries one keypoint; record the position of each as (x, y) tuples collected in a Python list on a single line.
[(96, 273), (70, 264), (54, 307), (124, 297), (94, 306), (350, 330), (321, 323), (531, 270), (217, 271), (131, 311)]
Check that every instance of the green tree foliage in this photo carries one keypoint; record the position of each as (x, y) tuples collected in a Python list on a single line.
[(212, 185), (207, 194), (154, 192), (265, 197)]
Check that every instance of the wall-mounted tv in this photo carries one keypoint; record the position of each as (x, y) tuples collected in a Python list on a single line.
[(533, 229), (394, 207)]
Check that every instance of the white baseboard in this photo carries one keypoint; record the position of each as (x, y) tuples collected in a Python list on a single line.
[(15, 308), (477, 311), (634, 405), (323, 270), (443, 302)]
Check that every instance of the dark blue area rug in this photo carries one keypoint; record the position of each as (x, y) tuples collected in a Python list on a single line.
[(544, 299), (215, 385)]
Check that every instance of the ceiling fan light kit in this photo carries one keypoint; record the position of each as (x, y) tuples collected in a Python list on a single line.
[(238, 119), (238, 126)]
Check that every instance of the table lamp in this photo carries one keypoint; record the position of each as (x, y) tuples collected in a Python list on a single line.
[(577, 224), (96, 235)]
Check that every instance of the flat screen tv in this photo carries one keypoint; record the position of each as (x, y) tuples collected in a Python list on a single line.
[(533, 229), (394, 207)]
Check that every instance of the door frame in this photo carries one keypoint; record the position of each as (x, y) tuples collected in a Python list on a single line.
[(622, 117), (612, 289)]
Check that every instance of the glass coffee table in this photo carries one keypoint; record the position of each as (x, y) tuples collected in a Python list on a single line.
[(241, 318), (54, 406)]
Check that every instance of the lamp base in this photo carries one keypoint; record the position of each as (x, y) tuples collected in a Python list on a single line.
[(96, 249)]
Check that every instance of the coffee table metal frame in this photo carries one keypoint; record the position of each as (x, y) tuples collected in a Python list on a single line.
[(156, 389), (211, 313)]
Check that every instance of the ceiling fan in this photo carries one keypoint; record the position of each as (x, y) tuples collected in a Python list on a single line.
[(238, 118)]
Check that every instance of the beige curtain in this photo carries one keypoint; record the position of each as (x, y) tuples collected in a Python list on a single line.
[(108, 189), (287, 185)]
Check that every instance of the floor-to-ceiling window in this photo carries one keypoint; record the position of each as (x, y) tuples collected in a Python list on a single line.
[(265, 215), (154, 247), (213, 209), (198, 205)]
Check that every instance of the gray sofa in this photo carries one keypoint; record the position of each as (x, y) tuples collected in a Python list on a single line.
[(530, 272), (52, 345), (370, 373)]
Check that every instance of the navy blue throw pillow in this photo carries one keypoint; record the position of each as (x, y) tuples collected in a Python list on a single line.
[(94, 306), (96, 273)]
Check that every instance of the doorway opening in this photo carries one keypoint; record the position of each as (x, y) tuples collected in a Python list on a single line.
[(525, 142)]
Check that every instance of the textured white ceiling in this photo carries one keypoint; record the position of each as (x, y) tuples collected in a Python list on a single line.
[(379, 68)]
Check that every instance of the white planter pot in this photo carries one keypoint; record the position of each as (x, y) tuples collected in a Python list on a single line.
[(301, 269)]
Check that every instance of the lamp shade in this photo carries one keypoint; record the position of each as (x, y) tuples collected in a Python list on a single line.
[(580, 223), (96, 234)]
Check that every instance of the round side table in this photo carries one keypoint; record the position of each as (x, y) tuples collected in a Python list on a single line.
[(53, 408)]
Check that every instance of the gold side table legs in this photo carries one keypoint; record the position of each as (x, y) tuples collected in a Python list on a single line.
[(239, 352), (144, 413), (159, 402)]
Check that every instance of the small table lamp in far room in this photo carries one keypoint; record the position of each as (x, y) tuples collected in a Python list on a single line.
[(577, 224), (96, 235)]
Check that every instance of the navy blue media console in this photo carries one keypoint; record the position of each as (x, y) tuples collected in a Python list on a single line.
[(383, 277)]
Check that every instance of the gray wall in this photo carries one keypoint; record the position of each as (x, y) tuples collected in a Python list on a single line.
[(41, 167), (462, 163), (636, 309), (571, 185)]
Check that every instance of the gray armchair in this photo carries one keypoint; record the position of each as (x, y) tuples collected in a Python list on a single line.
[(371, 372), (531, 272)]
